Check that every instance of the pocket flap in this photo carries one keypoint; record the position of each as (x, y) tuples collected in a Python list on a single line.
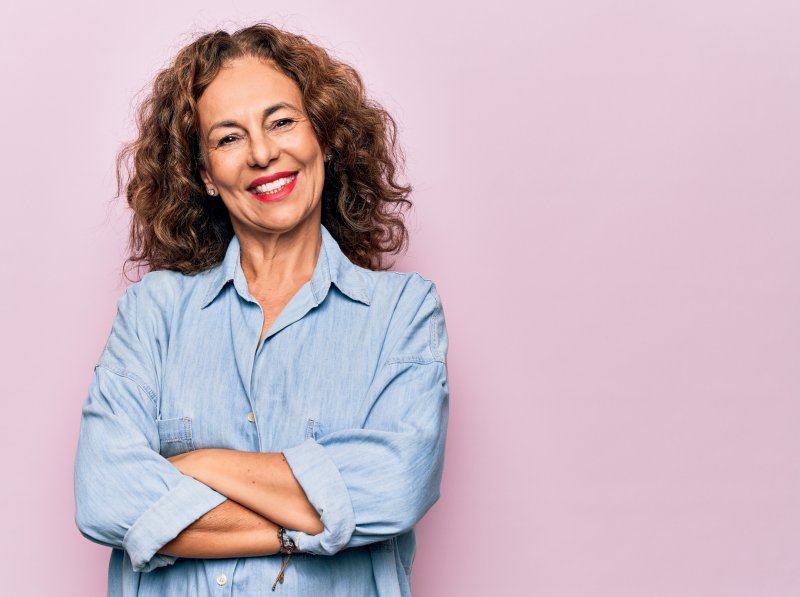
[(175, 430), (175, 436)]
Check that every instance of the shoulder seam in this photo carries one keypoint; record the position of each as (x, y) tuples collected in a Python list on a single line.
[(128, 375), (435, 325), (436, 355), (412, 360)]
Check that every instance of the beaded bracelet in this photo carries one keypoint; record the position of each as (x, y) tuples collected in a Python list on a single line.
[(287, 548), (287, 543)]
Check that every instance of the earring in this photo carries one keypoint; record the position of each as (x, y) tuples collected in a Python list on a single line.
[(212, 191), (328, 157)]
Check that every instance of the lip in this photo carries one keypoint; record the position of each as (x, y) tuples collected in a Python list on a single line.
[(270, 178), (277, 196)]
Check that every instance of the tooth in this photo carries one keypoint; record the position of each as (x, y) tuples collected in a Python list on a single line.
[(274, 186)]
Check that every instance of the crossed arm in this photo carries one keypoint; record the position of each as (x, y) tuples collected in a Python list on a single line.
[(208, 503), (263, 495), (368, 483)]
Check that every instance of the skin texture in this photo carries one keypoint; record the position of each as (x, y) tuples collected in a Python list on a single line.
[(243, 139), (263, 483), (229, 530)]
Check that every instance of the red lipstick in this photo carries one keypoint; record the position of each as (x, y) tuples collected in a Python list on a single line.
[(275, 195)]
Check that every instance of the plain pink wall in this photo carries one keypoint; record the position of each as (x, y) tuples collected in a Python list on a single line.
[(608, 197)]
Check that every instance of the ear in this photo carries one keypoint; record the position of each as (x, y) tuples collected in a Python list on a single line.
[(206, 178), (201, 158)]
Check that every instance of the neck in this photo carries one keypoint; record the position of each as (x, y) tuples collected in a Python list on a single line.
[(272, 261)]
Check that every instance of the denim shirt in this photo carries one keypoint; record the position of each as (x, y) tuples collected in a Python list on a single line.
[(350, 383)]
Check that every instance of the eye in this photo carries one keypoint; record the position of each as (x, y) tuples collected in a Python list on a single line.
[(282, 123), (227, 140)]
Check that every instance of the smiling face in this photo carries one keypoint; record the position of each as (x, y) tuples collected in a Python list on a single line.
[(261, 154)]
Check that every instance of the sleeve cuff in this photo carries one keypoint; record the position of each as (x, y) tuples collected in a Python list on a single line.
[(326, 490), (173, 512)]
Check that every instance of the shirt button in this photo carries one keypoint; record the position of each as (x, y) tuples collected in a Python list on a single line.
[(251, 417), (221, 580)]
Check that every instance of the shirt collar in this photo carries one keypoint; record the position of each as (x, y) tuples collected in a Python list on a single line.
[(333, 266)]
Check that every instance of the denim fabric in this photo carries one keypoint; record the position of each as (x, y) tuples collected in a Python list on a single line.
[(350, 383)]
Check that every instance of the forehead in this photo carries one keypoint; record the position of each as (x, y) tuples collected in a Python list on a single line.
[(244, 88)]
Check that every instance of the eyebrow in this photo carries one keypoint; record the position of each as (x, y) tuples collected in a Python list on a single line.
[(267, 113)]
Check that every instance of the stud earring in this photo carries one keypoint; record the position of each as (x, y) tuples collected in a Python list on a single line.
[(211, 191), (328, 157)]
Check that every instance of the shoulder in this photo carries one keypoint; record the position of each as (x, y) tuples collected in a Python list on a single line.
[(141, 329), (417, 330), (399, 286), (159, 293), (146, 308), (160, 287)]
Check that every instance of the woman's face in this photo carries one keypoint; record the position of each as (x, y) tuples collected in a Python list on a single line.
[(261, 153)]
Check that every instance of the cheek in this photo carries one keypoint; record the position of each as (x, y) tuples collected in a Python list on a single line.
[(224, 166), (306, 147)]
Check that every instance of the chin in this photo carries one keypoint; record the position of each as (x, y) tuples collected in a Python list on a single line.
[(283, 225)]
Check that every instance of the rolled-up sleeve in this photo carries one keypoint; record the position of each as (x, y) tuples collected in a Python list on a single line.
[(376, 482), (126, 494)]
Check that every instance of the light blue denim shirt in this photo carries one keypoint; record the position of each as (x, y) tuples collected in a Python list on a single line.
[(350, 383)]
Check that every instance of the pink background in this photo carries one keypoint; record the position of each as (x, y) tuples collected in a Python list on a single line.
[(608, 197)]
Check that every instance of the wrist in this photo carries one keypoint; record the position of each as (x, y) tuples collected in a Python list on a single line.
[(286, 544)]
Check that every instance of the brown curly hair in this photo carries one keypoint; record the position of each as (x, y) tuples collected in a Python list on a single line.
[(175, 227)]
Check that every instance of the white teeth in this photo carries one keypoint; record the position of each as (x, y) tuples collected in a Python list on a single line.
[(275, 185)]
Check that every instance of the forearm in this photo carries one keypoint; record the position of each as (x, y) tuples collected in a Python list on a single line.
[(263, 483), (228, 531)]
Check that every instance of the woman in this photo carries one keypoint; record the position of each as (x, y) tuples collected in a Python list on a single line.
[(270, 409)]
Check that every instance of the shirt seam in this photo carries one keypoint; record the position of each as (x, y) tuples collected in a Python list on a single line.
[(434, 325), (128, 375), (413, 359)]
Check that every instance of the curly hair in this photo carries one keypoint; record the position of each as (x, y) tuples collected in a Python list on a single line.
[(175, 227)]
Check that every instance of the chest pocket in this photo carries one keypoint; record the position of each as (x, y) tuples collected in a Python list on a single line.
[(313, 429), (175, 436)]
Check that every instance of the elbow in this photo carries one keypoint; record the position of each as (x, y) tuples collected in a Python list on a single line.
[(410, 506), (84, 517), (86, 522), (311, 524), (97, 514), (88, 529), (94, 523), (421, 482), (414, 512)]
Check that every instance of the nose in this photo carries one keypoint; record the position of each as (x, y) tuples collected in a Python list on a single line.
[(262, 150)]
